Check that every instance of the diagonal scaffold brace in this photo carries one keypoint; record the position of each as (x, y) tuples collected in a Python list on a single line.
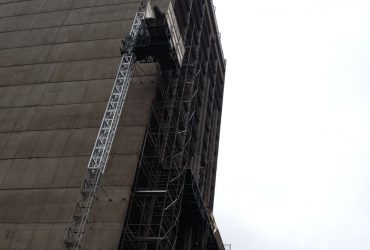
[(99, 157)]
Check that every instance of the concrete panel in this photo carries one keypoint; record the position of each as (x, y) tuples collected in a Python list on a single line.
[(121, 170), (29, 37), (69, 17), (101, 14), (128, 140), (31, 172), (26, 145), (43, 143), (59, 205), (14, 95), (68, 34), (4, 168), (14, 174), (75, 142), (63, 172), (8, 1), (42, 173), (48, 94), (43, 236), (3, 142), (47, 117), (98, 91), (29, 7), (60, 93), (39, 172), (79, 169), (6, 234), (10, 146), (37, 205), (103, 236), (36, 6), (142, 87), (59, 143), (54, 143), (146, 69), (95, 114), (6, 199), (24, 119), (56, 237), (60, 116), (136, 112), (47, 172), (40, 238), (60, 72), (8, 119), (15, 206), (90, 3), (47, 143), (88, 143), (23, 239), (85, 70), (60, 52), (110, 204), (35, 202)]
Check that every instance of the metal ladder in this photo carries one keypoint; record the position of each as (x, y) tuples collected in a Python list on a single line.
[(99, 156)]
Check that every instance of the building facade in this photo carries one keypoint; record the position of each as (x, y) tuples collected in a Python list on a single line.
[(58, 62)]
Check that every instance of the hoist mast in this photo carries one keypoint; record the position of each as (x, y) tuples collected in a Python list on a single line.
[(104, 140)]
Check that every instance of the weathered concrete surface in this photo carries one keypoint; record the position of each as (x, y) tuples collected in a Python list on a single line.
[(58, 59)]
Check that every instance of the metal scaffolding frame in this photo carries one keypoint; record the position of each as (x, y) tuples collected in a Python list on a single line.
[(156, 203), (179, 153)]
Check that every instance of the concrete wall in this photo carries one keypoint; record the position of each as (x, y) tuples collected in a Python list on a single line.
[(58, 59)]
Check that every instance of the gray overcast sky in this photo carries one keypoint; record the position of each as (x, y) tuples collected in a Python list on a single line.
[(294, 156)]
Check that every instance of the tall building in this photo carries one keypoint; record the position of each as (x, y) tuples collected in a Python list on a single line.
[(75, 172)]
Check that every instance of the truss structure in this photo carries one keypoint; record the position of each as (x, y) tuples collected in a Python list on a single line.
[(99, 157)]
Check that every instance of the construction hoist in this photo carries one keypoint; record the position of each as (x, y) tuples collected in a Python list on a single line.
[(104, 140)]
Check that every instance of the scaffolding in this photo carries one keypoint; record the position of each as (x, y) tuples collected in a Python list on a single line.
[(157, 196), (176, 172)]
